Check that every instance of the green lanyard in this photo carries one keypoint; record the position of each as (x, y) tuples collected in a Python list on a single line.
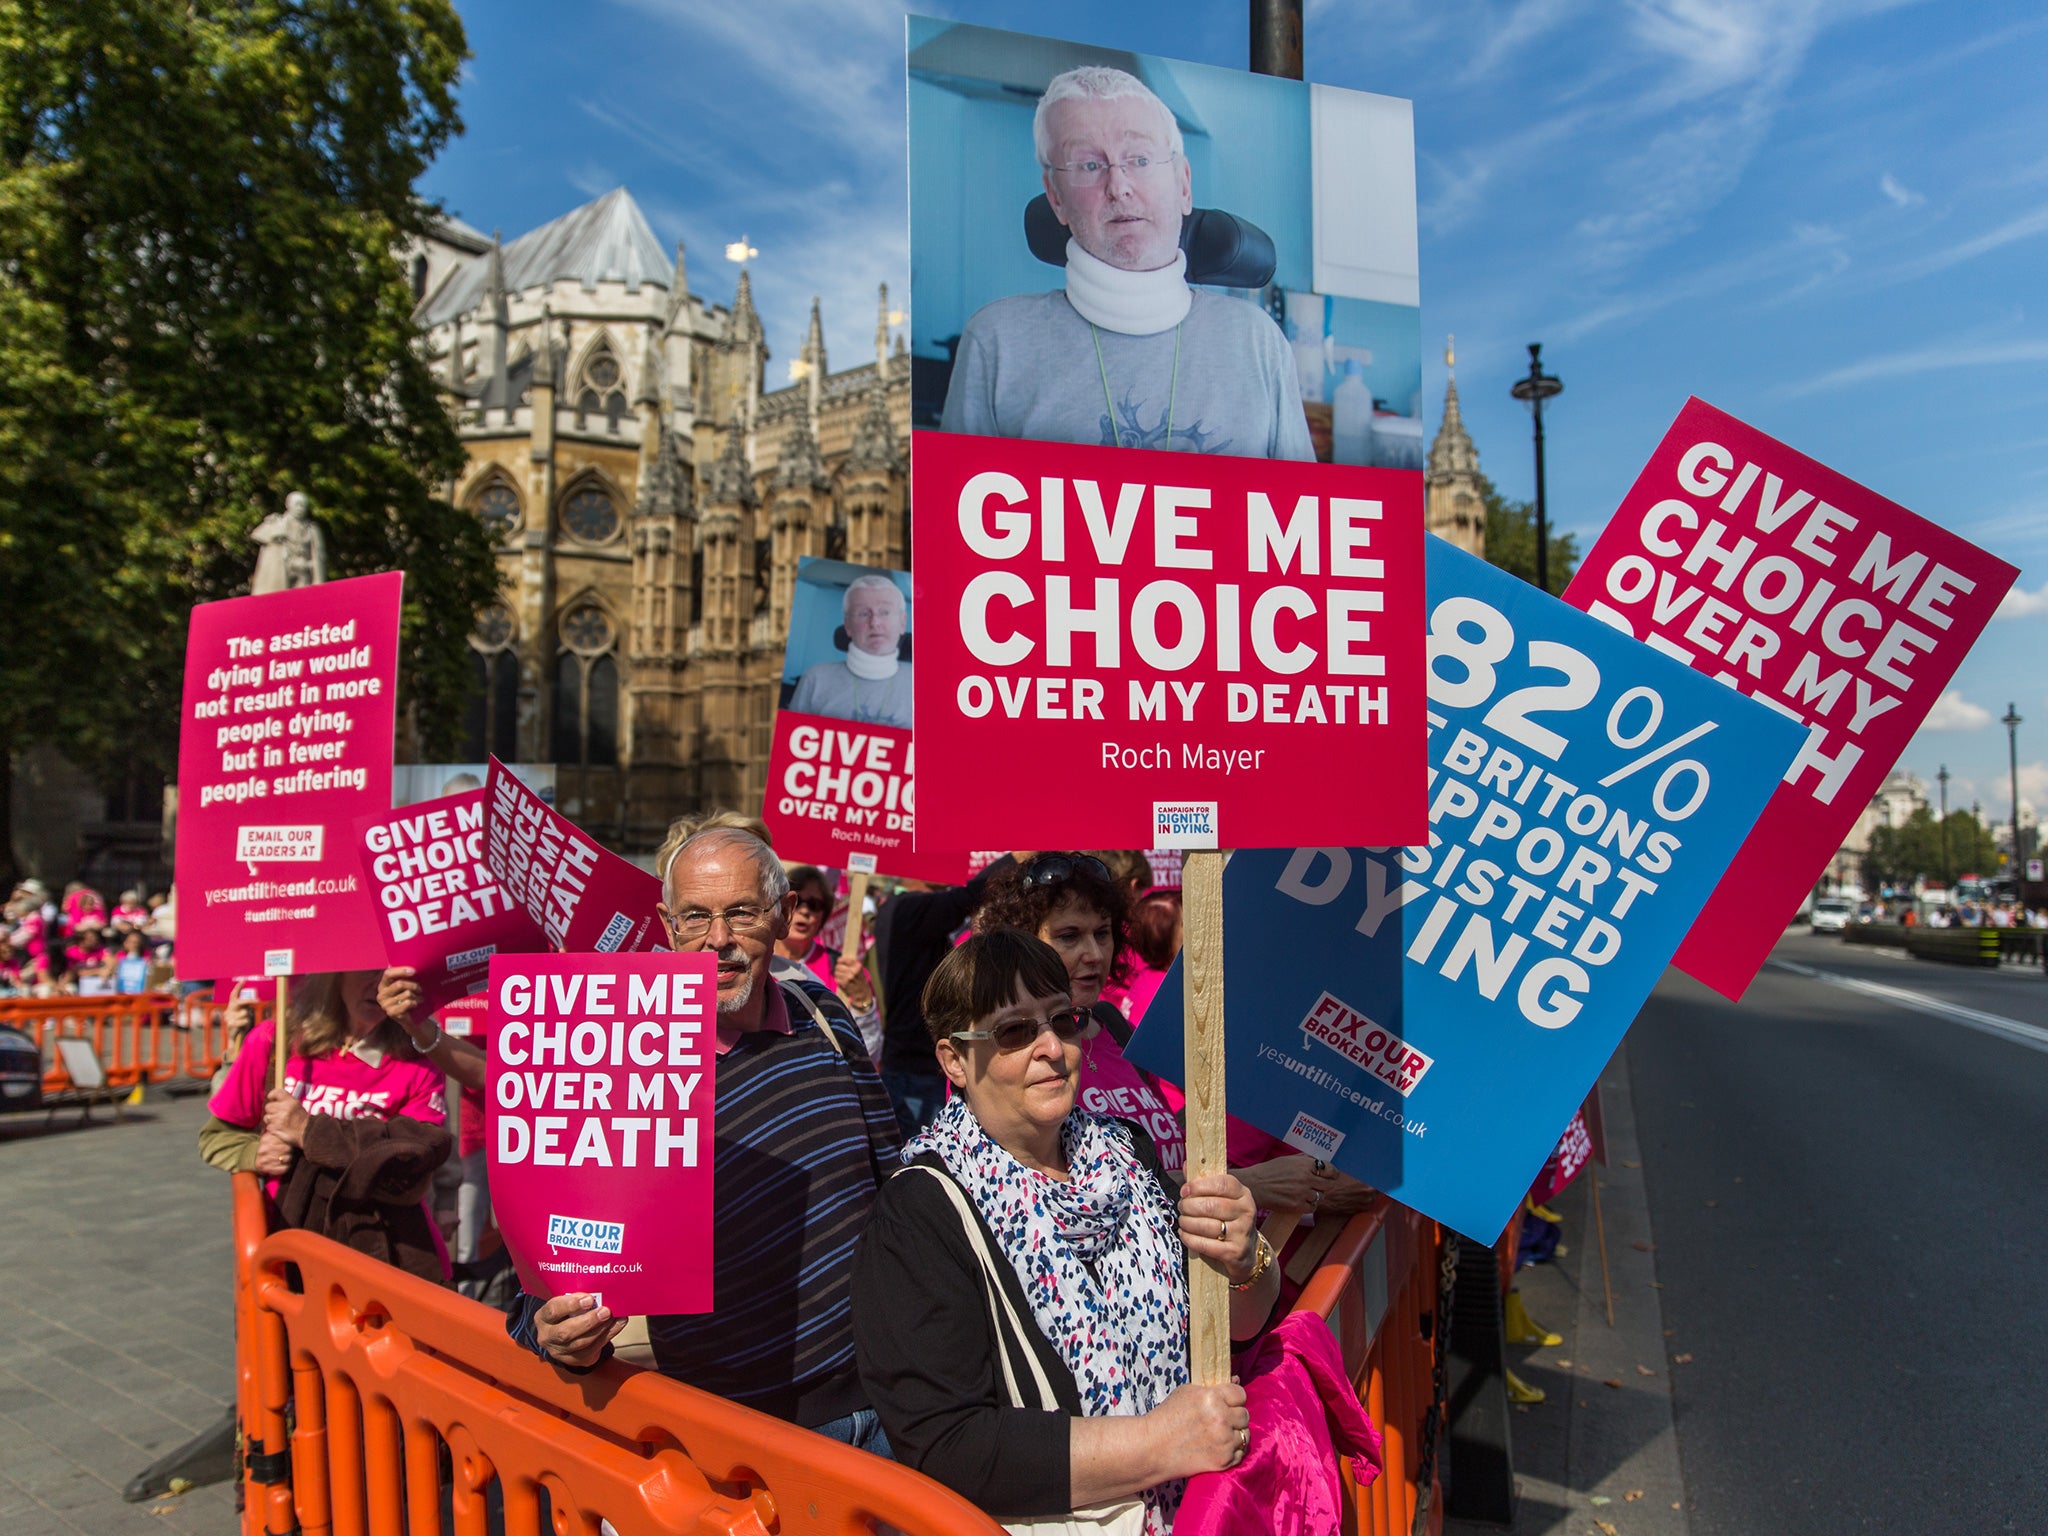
[(1172, 393)]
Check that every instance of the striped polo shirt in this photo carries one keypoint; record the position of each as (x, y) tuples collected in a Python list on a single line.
[(801, 1134)]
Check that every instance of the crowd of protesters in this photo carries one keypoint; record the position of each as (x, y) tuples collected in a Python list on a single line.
[(936, 1175), (77, 945)]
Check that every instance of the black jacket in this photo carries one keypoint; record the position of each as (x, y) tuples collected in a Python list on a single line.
[(927, 1347), (913, 933)]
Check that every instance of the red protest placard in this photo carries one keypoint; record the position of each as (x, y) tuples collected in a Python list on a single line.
[(842, 795), (1763, 568), (1122, 648), (581, 896), (1809, 592), (442, 910), (284, 740), (599, 1084)]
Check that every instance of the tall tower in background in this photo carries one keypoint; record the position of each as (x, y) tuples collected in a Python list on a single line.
[(1454, 494)]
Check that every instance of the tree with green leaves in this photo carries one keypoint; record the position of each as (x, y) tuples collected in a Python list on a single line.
[(1911, 853), (1511, 540), (202, 205)]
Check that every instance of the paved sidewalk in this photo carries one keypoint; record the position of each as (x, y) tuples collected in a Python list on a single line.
[(1605, 1431), (116, 1319)]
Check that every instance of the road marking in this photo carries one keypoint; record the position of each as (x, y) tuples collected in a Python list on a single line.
[(2015, 1030)]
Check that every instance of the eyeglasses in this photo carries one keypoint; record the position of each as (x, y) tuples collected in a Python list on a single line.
[(1053, 868), (812, 904), (1092, 172), (1015, 1034), (696, 924)]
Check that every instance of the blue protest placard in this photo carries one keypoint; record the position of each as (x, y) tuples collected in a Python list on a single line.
[(1428, 1018)]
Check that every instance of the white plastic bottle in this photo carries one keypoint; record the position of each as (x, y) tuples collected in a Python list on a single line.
[(1308, 361), (1351, 418)]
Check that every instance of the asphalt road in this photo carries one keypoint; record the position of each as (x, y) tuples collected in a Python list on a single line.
[(1849, 1199)]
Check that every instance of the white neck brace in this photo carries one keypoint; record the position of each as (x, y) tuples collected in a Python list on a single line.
[(869, 667), (1133, 303)]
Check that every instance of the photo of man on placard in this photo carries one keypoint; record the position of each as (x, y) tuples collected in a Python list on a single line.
[(1128, 355), (1115, 249), (867, 618)]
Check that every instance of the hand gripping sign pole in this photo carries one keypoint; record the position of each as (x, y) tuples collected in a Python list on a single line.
[(1202, 959)]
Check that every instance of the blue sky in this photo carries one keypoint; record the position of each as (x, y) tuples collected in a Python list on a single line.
[(1828, 217)]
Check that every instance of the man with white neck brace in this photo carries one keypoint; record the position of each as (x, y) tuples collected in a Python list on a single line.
[(871, 685), (1128, 355)]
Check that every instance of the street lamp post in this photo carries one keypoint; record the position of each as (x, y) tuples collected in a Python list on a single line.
[(1941, 778), (2011, 722), (1532, 392)]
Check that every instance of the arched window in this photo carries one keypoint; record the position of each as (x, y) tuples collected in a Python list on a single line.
[(590, 514), (601, 390), (490, 713), (419, 278), (586, 733), (498, 507)]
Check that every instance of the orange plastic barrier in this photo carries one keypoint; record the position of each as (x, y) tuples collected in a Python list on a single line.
[(131, 1034), (145, 1037), (1374, 1287), (369, 1375)]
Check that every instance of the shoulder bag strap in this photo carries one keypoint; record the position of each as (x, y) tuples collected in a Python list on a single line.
[(1000, 1308), (804, 997)]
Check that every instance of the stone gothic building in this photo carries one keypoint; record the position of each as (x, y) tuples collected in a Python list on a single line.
[(650, 496), (1454, 496)]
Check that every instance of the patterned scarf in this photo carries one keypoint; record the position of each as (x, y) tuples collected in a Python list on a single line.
[(1099, 1257)]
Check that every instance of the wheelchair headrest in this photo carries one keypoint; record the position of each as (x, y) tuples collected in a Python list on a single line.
[(1223, 250)]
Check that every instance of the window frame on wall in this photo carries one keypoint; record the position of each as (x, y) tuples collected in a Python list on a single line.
[(591, 485), (597, 396), (490, 710), (587, 684), (494, 484)]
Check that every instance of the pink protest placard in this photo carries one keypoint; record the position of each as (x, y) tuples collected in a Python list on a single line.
[(581, 896), (599, 1088), (442, 910), (1791, 583), (1124, 648), (284, 740), (841, 795)]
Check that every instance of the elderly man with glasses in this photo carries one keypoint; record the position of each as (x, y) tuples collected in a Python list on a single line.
[(803, 1134), (1128, 355)]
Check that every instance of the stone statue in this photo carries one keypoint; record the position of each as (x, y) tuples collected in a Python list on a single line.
[(291, 550)]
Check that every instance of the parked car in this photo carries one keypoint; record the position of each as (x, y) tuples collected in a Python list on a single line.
[(1831, 914)]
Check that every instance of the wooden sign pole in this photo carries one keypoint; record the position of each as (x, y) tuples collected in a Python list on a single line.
[(1202, 990), (856, 912), (282, 1043)]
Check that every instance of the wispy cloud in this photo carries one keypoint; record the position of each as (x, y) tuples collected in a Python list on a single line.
[(2021, 604), (2025, 227), (1934, 359), (1953, 712), (1901, 195)]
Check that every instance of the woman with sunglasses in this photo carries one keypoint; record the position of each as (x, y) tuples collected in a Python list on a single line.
[(803, 946), (1074, 903), (1020, 1295)]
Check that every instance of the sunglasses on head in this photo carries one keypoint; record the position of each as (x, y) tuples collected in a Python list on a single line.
[(1052, 868), (1015, 1034)]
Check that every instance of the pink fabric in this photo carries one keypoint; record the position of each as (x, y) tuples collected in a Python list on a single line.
[(1245, 1145), (1139, 991), (1305, 1414), (1110, 1085), (342, 1085), (469, 1018), (774, 1019)]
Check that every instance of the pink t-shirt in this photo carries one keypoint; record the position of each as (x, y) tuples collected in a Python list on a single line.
[(1110, 1085), (340, 1084), (469, 1018)]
